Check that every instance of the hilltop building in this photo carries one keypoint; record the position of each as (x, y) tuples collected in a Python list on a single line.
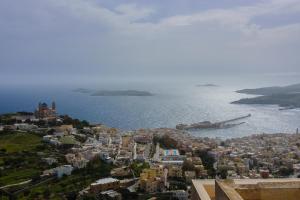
[(45, 112)]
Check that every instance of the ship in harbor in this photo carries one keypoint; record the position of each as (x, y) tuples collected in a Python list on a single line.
[(208, 124)]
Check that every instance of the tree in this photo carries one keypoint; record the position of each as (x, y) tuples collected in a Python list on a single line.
[(165, 142), (286, 171), (208, 162), (138, 167), (223, 172), (46, 193), (188, 166), (71, 195)]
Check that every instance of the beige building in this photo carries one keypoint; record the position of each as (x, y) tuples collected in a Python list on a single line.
[(151, 179), (175, 171), (246, 189)]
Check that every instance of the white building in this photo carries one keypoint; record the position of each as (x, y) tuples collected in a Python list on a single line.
[(104, 156), (25, 126), (63, 170), (180, 194)]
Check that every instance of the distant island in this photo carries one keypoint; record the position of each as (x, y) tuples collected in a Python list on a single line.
[(207, 85), (82, 90), (272, 90), (287, 96), (121, 93), (113, 92)]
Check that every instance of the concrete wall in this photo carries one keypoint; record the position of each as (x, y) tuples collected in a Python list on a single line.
[(210, 189), (249, 193), (280, 193), (203, 190), (194, 193), (270, 193), (220, 194), (225, 191)]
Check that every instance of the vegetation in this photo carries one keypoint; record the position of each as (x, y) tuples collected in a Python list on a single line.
[(188, 166), (69, 186), (138, 167), (10, 118), (285, 171), (21, 157), (208, 162), (223, 171), (75, 122), (7, 119), (16, 142), (23, 161), (68, 140), (165, 142)]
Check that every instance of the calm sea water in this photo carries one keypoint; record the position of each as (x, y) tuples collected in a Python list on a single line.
[(171, 104)]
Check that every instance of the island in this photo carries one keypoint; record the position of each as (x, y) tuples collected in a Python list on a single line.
[(121, 93), (113, 92), (287, 97), (295, 88), (82, 90)]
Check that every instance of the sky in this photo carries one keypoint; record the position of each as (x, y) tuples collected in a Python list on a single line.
[(61, 39)]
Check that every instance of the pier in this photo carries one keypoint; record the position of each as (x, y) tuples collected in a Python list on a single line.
[(234, 119), (208, 124)]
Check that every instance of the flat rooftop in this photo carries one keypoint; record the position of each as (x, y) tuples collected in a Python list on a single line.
[(247, 189), (105, 181), (171, 152)]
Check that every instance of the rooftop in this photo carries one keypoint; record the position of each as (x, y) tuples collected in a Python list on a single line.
[(171, 152), (247, 189), (105, 181)]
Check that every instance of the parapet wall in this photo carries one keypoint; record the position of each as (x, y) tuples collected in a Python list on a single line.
[(226, 191), (270, 193), (246, 189)]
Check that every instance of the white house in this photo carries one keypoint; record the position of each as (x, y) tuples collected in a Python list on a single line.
[(63, 170)]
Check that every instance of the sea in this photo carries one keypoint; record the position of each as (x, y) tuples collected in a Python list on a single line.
[(174, 101)]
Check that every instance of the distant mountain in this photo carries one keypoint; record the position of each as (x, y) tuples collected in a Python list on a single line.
[(113, 92), (287, 96), (272, 90), (283, 100), (121, 93), (82, 90), (206, 85)]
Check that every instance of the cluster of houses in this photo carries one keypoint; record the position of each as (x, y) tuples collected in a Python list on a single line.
[(260, 156), (249, 157)]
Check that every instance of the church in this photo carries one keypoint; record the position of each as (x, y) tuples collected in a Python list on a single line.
[(45, 112)]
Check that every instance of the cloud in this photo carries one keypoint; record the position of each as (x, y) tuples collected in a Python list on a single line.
[(83, 36), (132, 12)]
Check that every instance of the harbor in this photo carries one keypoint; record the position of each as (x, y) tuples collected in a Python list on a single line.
[(216, 125)]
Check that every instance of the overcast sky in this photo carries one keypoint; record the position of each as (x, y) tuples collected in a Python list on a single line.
[(102, 38)]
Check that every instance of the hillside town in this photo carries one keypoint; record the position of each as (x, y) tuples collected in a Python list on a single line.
[(158, 163)]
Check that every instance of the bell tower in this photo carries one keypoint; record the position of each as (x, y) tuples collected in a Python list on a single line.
[(53, 106)]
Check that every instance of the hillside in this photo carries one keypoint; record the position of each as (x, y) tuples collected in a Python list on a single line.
[(272, 90), (287, 96), (283, 100)]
